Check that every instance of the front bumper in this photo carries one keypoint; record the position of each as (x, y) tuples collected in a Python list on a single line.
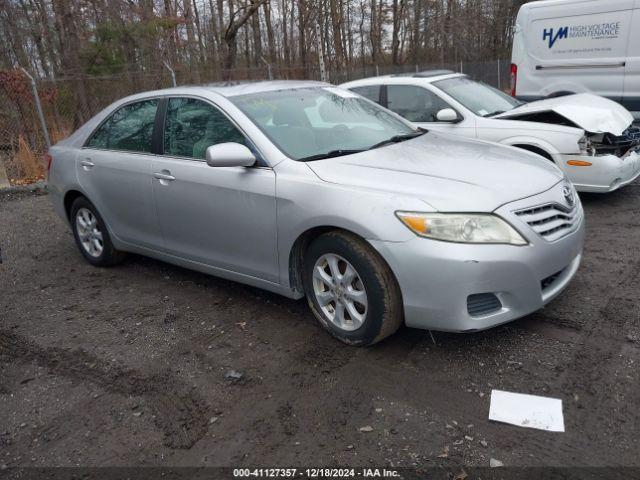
[(605, 174), (436, 278)]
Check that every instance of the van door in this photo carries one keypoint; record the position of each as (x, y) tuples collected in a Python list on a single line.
[(631, 98), (580, 46)]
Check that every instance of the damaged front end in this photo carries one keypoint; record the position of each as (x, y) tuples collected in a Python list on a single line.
[(607, 157), (609, 144), (607, 162)]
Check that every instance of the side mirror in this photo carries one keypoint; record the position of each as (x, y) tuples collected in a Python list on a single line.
[(230, 154), (447, 115)]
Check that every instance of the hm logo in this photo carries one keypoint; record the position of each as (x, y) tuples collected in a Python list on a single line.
[(562, 32)]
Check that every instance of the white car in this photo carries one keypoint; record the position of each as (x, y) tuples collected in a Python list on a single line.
[(590, 138)]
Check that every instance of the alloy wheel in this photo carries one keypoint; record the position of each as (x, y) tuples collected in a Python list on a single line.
[(339, 291), (89, 232)]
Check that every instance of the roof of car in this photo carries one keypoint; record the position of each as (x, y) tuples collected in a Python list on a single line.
[(232, 89), (425, 74), (408, 78), (546, 3), (225, 89), (235, 88)]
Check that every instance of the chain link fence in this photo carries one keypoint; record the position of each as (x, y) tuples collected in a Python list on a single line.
[(67, 102)]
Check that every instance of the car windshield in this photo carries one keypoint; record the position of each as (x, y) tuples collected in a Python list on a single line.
[(481, 99), (322, 122)]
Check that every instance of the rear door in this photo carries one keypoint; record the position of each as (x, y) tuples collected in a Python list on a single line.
[(223, 217), (114, 171)]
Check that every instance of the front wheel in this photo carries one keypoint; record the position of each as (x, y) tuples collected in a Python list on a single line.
[(91, 235), (351, 290)]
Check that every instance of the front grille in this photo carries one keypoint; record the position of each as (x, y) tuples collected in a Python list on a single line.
[(483, 304), (547, 282), (551, 221)]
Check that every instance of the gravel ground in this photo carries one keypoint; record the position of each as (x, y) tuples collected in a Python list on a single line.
[(129, 365)]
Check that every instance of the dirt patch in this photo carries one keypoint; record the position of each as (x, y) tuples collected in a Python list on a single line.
[(179, 413)]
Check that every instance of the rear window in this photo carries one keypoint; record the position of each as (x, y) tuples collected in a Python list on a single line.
[(129, 129)]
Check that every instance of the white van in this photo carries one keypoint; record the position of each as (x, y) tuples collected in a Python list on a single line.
[(575, 46)]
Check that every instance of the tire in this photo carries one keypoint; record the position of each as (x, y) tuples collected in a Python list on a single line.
[(361, 324), (562, 93), (91, 235)]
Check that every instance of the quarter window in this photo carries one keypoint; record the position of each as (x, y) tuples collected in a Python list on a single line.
[(192, 126), (416, 104), (130, 128)]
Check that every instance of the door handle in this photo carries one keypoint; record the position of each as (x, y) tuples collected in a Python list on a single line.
[(87, 163), (164, 175)]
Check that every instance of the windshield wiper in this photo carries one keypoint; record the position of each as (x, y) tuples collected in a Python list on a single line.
[(398, 139), (493, 114), (330, 154)]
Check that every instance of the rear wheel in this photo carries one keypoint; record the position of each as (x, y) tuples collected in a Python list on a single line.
[(562, 93), (351, 290), (91, 235)]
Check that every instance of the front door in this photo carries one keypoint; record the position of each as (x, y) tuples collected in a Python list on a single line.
[(421, 106), (223, 217)]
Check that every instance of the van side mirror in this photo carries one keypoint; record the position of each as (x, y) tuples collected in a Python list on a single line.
[(447, 115), (230, 154)]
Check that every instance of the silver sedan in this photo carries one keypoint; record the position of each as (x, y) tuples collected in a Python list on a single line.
[(305, 189)]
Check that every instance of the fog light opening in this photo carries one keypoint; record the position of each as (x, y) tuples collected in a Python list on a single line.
[(481, 304)]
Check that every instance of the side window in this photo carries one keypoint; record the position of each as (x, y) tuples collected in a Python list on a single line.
[(416, 104), (130, 128), (372, 92), (191, 126)]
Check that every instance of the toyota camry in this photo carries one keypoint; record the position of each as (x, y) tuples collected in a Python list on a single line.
[(305, 189)]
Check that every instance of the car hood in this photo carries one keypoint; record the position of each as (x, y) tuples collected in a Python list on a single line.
[(447, 172), (590, 112)]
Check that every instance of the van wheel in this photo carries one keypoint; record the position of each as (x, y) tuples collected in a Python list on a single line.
[(351, 290), (91, 235), (560, 94)]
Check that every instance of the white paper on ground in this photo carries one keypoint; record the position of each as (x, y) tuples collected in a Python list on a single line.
[(528, 411)]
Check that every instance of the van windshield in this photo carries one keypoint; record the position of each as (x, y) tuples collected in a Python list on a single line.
[(322, 122), (481, 99)]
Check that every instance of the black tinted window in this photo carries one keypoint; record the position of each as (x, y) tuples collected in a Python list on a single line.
[(193, 125), (416, 104), (130, 128), (372, 92)]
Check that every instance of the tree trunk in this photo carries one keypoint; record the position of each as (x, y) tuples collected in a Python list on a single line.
[(336, 22), (191, 41), (397, 10), (231, 33)]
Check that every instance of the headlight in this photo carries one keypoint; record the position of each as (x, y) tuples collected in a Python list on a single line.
[(585, 146), (462, 227)]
